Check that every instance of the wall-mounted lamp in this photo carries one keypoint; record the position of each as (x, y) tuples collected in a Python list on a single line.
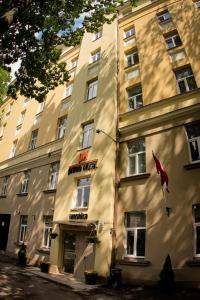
[(98, 131)]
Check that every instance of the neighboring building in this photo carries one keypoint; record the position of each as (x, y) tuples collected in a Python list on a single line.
[(80, 188)]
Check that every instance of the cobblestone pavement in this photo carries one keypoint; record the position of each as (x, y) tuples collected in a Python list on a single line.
[(20, 283)]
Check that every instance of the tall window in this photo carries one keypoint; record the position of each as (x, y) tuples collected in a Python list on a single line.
[(74, 63), (197, 3), (137, 157), (2, 130), (135, 223), (193, 133), (95, 56), (92, 89), (135, 97), (173, 40), (185, 80), (23, 228), (53, 175), (97, 35), (33, 141), (163, 16), (196, 216), (83, 192), (87, 135), (129, 32), (40, 107), (48, 224), (21, 118), (68, 90), (13, 149), (25, 182), (132, 59), (61, 127), (5, 185)]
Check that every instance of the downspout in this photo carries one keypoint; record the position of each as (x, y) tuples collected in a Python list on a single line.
[(115, 208)]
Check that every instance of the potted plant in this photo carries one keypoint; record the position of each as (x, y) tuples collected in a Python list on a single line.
[(90, 276)]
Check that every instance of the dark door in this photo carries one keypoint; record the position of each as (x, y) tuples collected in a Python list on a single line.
[(69, 252), (4, 229)]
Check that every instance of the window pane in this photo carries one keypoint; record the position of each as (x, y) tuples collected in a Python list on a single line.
[(170, 43), (139, 101), (130, 242), (194, 150), (196, 211), (140, 242), (141, 163), (136, 146), (191, 83), (86, 196), (132, 165), (177, 40), (182, 86), (198, 240), (135, 219), (183, 73), (193, 130), (79, 197)]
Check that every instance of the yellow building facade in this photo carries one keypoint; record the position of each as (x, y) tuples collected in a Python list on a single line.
[(78, 180)]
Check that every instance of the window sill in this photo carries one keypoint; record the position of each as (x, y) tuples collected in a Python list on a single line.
[(43, 250), (78, 209), (22, 194), (49, 191), (133, 65), (192, 166), (127, 37), (82, 149), (3, 196), (138, 262), (88, 100), (135, 177), (195, 262)]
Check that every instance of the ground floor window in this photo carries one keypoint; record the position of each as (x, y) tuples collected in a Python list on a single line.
[(196, 215), (135, 223), (48, 223), (23, 228)]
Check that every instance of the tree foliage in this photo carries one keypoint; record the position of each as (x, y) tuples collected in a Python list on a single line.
[(34, 30), (4, 81)]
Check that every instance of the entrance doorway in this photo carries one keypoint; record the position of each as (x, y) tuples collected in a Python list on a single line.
[(4, 229), (69, 252)]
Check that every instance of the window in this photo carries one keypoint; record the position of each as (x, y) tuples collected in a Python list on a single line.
[(132, 59), (197, 3), (83, 192), (5, 185), (61, 127), (129, 74), (196, 216), (135, 223), (25, 182), (193, 132), (26, 100), (2, 130), (68, 90), (92, 89), (48, 224), (97, 35), (33, 141), (74, 63), (185, 80), (9, 109), (136, 157), (87, 135), (173, 40), (21, 118), (164, 16), (95, 56), (13, 149), (135, 97), (23, 228), (53, 175), (129, 32), (40, 107)]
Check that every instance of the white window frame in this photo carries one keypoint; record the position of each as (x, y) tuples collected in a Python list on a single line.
[(134, 58), (53, 176), (97, 35), (33, 141), (95, 56), (135, 99), (190, 140), (172, 37), (13, 149), (25, 182), (83, 189), (5, 185), (68, 90), (136, 156), (129, 32), (21, 118), (184, 79), (48, 226), (73, 63), (22, 228), (87, 136), (135, 230), (162, 16), (40, 107), (197, 4), (92, 89), (61, 127)]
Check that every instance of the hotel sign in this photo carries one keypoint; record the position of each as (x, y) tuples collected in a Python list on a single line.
[(83, 164)]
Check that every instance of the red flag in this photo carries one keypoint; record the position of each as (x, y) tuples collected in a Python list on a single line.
[(163, 175)]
